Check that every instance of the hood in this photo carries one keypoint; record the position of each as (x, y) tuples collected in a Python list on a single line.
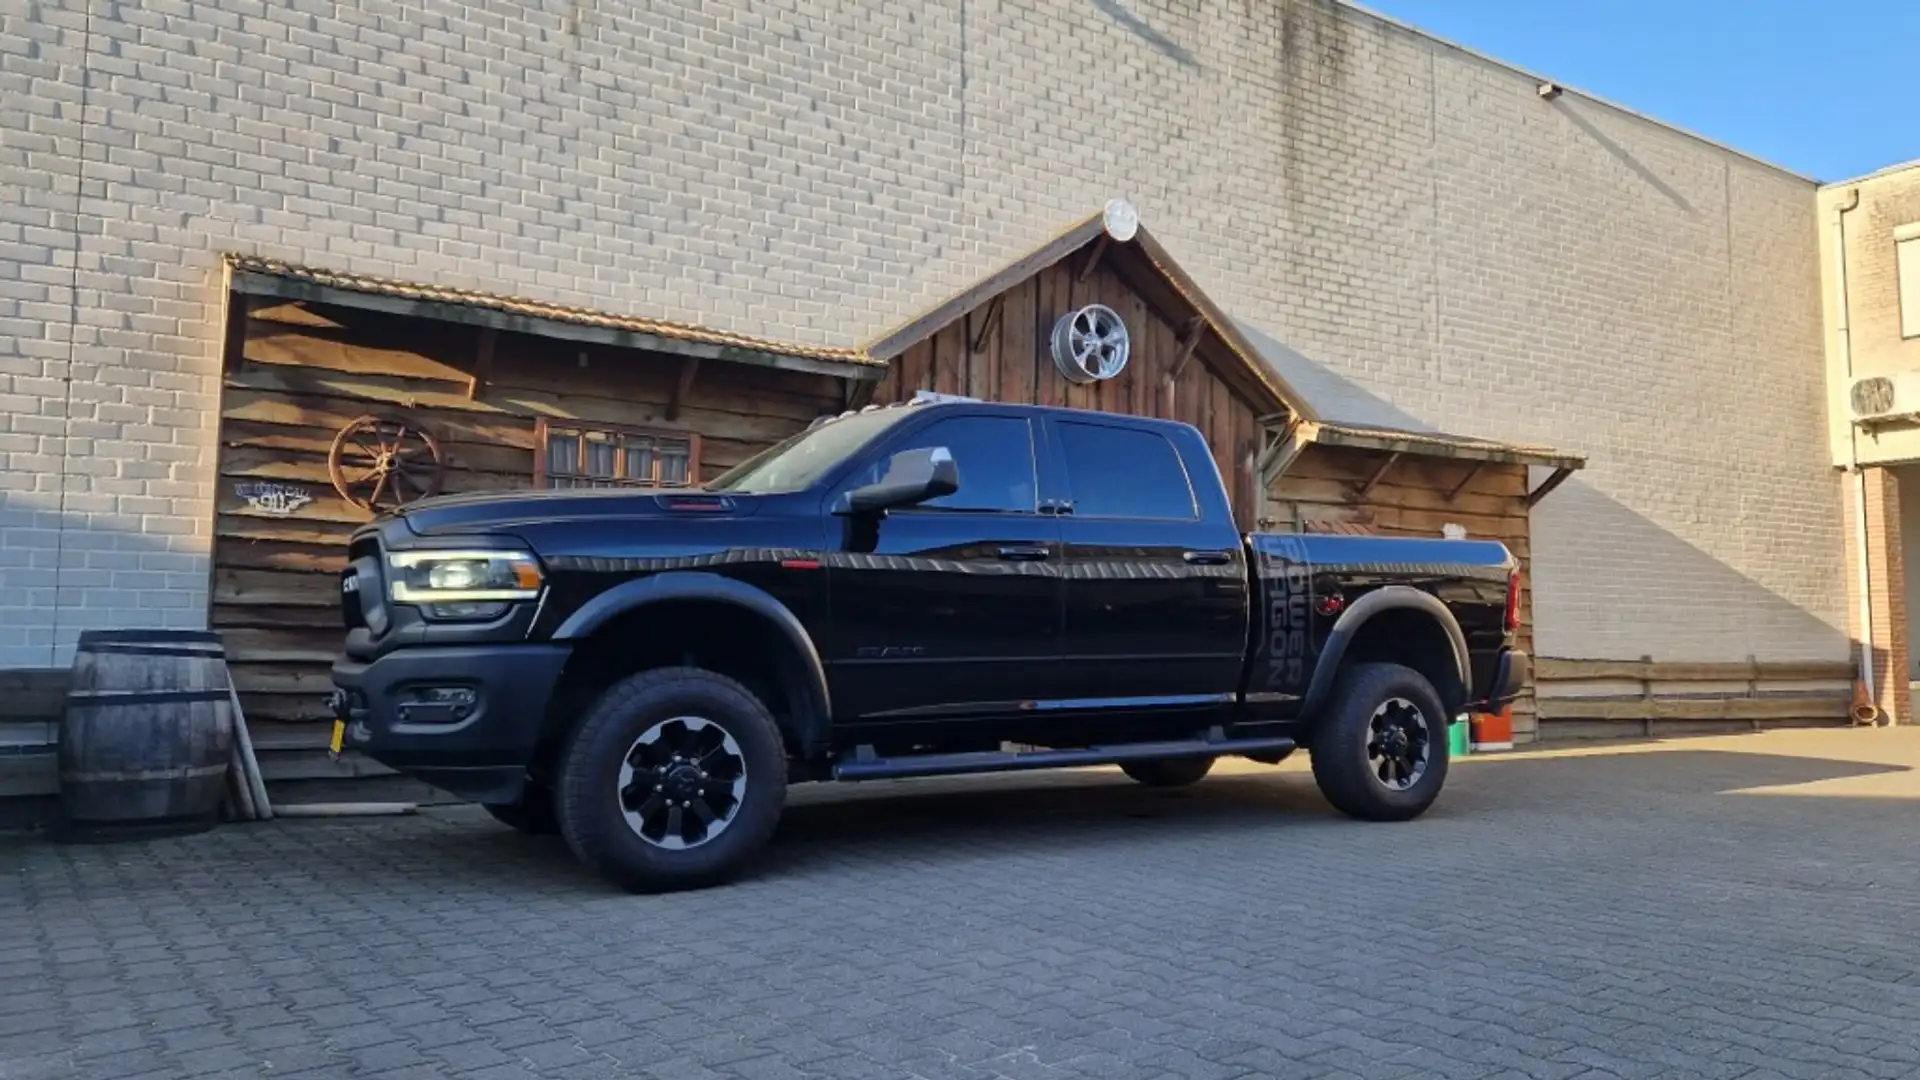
[(490, 510)]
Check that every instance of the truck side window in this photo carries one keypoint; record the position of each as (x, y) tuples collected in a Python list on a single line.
[(1124, 472), (995, 457)]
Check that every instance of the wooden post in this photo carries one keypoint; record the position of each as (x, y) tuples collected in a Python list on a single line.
[(689, 369), (1646, 694), (483, 363), (979, 341)]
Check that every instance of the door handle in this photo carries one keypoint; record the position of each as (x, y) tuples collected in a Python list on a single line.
[(1208, 558), (1024, 552)]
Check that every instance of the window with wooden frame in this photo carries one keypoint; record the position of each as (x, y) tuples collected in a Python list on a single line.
[(572, 455)]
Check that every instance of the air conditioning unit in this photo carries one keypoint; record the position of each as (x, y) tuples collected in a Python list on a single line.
[(1876, 398)]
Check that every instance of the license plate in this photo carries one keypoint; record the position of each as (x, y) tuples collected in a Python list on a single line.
[(339, 736)]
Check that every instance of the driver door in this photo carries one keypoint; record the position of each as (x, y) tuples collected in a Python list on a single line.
[(952, 609)]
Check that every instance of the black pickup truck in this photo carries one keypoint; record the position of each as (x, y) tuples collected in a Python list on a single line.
[(925, 589)]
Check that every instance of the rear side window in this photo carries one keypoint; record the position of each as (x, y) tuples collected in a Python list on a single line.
[(1124, 472)]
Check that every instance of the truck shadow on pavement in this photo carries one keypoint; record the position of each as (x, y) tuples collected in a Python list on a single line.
[(1490, 803)]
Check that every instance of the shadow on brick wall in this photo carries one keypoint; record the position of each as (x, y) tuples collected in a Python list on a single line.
[(1609, 582), (65, 571)]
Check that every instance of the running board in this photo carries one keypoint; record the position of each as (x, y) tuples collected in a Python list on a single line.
[(863, 764)]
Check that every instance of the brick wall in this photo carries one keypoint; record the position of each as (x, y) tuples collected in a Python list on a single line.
[(1887, 588), (1414, 219), (1869, 209)]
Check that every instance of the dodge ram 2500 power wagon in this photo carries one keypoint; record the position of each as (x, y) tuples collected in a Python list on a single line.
[(914, 590)]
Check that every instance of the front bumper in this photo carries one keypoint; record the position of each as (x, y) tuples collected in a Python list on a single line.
[(1510, 677), (477, 739)]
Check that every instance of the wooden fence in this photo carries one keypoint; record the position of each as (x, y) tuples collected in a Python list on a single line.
[(1575, 699), (1588, 699)]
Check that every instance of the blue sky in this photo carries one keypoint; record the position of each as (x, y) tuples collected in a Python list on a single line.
[(1829, 94)]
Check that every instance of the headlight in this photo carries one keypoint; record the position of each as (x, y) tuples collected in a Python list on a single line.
[(463, 584)]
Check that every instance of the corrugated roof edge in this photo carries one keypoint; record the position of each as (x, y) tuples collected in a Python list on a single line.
[(1444, 445), (539, 309)]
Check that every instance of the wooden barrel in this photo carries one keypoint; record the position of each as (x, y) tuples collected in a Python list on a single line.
[(144, 747)]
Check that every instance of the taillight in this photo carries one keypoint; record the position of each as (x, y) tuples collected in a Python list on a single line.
[(1511, 622)]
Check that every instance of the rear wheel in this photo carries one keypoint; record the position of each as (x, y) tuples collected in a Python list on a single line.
[(674, 780), (1168, 772), (1380, 754)]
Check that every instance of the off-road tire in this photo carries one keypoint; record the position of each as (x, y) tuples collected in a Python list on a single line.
[(1339, 744), (591, 818), (534, 814), (1168, 772)]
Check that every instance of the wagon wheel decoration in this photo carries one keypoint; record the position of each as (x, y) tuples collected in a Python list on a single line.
[(378, 464)]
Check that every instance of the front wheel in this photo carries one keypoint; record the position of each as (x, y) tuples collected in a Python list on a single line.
[(674, 780), (1380, 754)]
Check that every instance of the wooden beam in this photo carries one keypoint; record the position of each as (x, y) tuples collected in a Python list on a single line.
[(1286, 447), (860, 393), (1189, 342), (1360, 491), (987, 324), (689, 369), (1092, 261), (483, 363), (1465, 480), (1554, 669), (1559, 477), (923, 326)]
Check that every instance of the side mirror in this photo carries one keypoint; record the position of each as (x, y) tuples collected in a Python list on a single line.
[(912, 476)]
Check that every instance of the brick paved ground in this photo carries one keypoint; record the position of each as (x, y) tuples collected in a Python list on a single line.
[(1619, 913)]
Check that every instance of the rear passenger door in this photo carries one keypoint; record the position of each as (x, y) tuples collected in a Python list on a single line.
[(1156, 594)]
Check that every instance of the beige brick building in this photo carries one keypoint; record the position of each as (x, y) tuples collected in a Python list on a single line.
[(1438, 241), (1870, 269)]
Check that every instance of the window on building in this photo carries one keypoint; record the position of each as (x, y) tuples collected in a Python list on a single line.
[(600, 455), (1906, 250)]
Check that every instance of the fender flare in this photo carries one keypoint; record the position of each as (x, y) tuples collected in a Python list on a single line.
[(693, 585), (1385, 598)]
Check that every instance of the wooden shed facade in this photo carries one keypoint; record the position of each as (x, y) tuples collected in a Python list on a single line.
[(461, 392)]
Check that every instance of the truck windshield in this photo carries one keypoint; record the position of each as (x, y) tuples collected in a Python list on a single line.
[(796, 462)]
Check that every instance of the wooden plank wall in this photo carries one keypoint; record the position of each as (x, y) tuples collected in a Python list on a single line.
[(1414, 497), (305, 371), (1014, 364)]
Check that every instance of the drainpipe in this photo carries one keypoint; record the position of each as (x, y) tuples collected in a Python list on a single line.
[(1844, 344)]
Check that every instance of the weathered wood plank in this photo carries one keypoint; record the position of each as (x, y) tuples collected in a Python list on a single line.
[(1015, 381), (30, 694), (334, 352), (1354, 466), (1390, 492), (950, 359), (276, 588), (1565, 670), (243, 457), (1052, 301), (1695, 708), (279, 555), (383, 395)]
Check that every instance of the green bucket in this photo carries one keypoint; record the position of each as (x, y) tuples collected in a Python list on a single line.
[(1459, 737)]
